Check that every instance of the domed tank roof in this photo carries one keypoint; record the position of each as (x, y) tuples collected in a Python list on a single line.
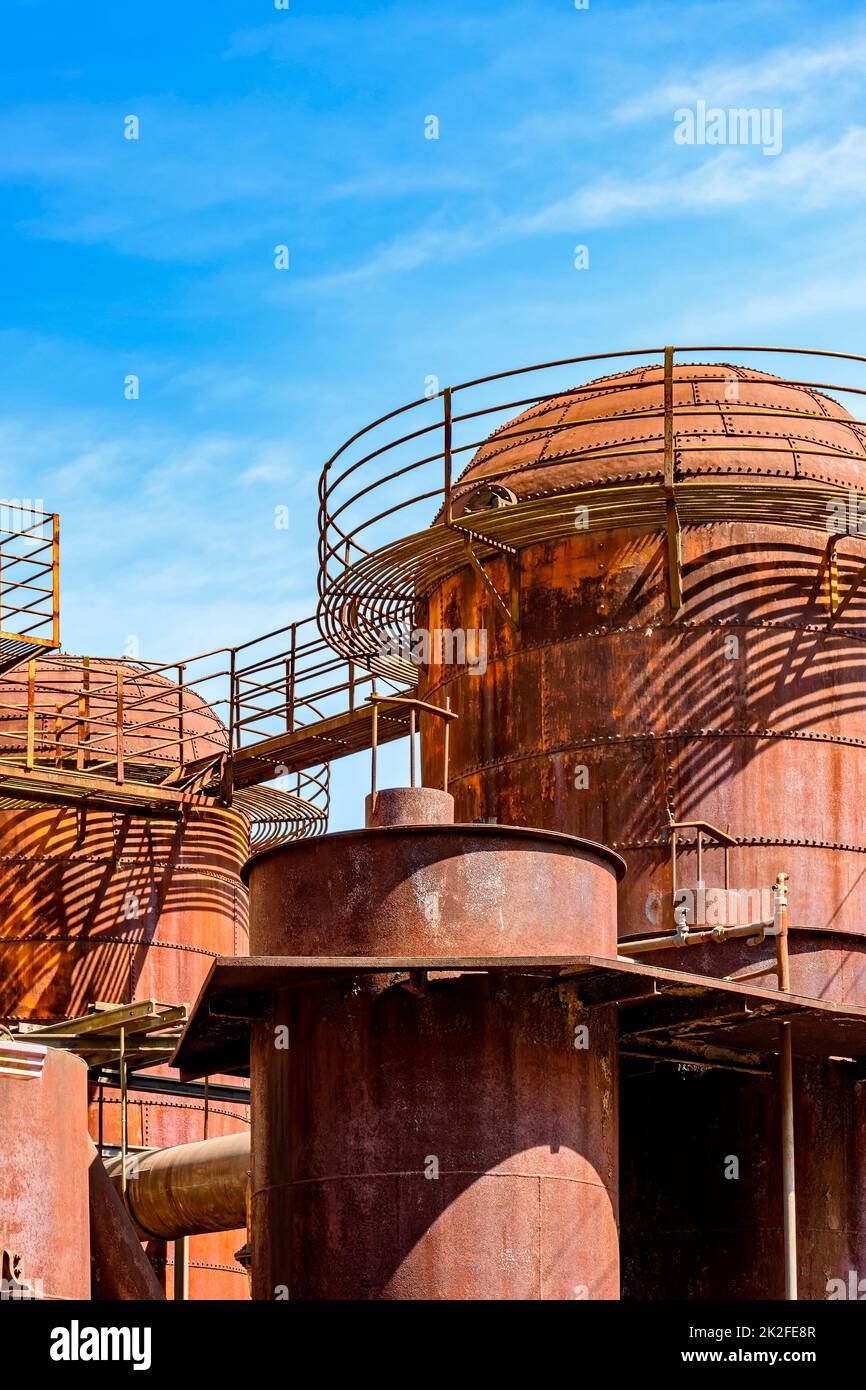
[(728, 420), (150, 701)]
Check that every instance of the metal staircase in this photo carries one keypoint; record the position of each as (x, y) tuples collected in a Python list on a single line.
[(29, 582)]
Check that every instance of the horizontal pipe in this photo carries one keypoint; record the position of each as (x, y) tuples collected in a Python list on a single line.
[(186, 1190), (692, 937)]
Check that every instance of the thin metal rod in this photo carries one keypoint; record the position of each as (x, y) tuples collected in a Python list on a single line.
[(789, 1187), (180, 727), (672, 919), (411, 748), (55, 582), (786, 1098), (669, 419), (374, 744), (83, 715), (234, 713), (31, 710), (783, 962), (118, 735), (58, 736), (291, 667), (446, 452), (181, 1268), (123, 1131)]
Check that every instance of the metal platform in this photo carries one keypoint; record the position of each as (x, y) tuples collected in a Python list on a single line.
[(143, 1034), (670, 1015), (340, 735)]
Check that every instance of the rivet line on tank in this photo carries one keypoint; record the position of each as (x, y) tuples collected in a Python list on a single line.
[(781, 625), (613, 740)]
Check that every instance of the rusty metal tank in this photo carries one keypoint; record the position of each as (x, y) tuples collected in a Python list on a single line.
[(113, 906), (437, 1136), (44, 1203), (610, 713)]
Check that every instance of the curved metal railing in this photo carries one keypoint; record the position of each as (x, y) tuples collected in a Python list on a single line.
[(276, 815), (381, 491)]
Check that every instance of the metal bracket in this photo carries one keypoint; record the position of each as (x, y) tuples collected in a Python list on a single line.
[(511, 611), (832, 567), (675, 555)]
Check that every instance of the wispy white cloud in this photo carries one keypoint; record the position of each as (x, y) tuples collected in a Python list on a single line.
[(812, 175), (815, 297), (818, 173), (786, 71)]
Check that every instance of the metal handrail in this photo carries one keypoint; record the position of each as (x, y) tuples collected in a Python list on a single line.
[(85, 716), (36, 548), (373, 570)]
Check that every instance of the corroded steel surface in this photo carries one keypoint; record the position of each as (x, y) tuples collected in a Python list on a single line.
[(101, 907), (454, 1145), (44, 1209), (690, 1230), (105, 907), (423, 1139), (606, 714), (724, 424), (409, 806), (434, 890)]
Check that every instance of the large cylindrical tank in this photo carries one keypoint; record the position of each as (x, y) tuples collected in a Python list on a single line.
[(608, 712), (443, 1138), (113, 906)]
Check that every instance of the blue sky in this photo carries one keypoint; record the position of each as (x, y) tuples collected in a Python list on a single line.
[(408, 256)]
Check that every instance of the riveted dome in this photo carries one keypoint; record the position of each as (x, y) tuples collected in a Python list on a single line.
[(728, 420), (152, 703)]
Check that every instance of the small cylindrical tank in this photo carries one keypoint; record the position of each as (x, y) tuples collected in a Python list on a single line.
[(44, 1201), (112, 906), (436, 1136)]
